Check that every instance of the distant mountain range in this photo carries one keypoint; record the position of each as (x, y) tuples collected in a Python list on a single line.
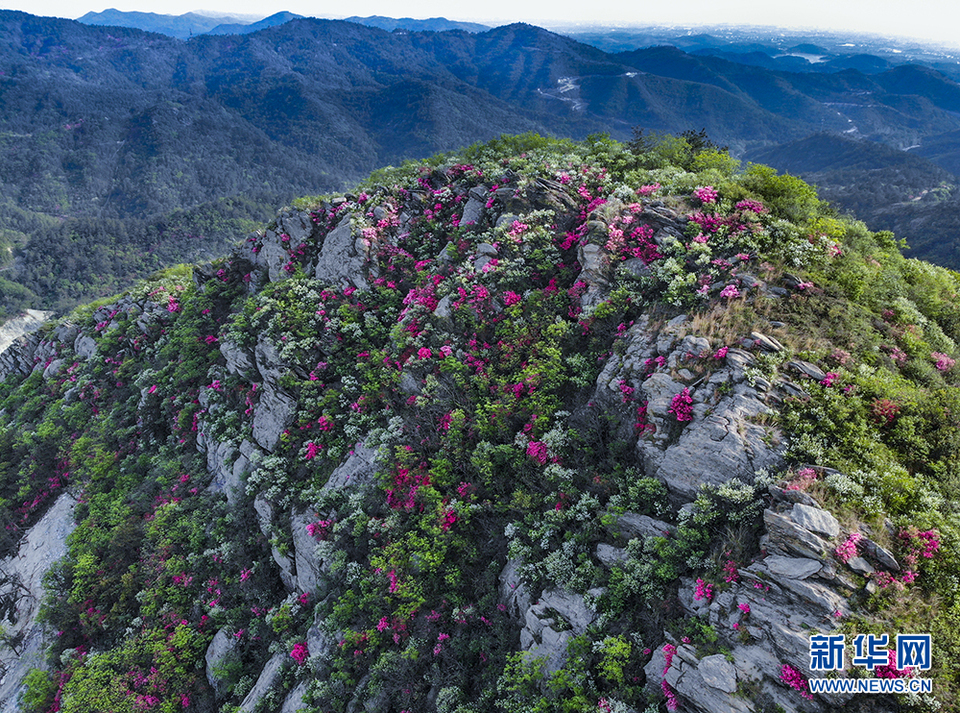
[(111, 122), (182, 26), (191, 23)]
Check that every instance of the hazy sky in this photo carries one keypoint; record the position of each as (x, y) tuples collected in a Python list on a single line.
[(937, 20)]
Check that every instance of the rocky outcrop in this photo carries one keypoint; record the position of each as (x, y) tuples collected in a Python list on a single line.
[(267, 679), (218, 654), (43, 545), (764, 617), (30, 321), (275, 409), (719, 439), (550, 624), (344, 256)]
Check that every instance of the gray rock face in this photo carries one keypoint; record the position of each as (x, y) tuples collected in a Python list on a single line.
[(474, 209), (609, 555), (238, 360), (272, 416), (792, 567), (513, 592), (789, 538), (44, 544), (766, 343), (296, 225), (268, 677), (686, 677), (221, 461), (343, 257), (543, 636), (670, 334), (267, 520), (816, 520), (632, 525), (269, 362), (273, 256), (18, 358), (879, 555), (715, 448), (718, 673), (659, 390), (356, 471), (294, 703), (216, 656), (309, 566), (809, 370), (595, 268)]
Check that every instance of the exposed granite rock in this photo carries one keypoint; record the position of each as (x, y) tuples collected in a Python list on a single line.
[(238, 359), (807, 369), (713, 448), (309, 566), (669, 335), (595, 269), (513, 592), (718, 673), (222, 458), (542, 636), (659, 390), (816, 520), (880, 555), (272, 416), (473, 211), (631, 525), (356, 471), (766, 343), (792, 567), (272, 256), (787, 537), (295, 702), (343, 257), (217, 654), (43, 545), (687, 679), (268, 677), (266, 518), (609, 555)]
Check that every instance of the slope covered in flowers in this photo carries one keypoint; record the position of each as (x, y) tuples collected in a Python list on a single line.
[(464, 348)]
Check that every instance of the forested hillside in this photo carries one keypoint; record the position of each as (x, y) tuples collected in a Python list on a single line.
[(112, 124), (533, 426)]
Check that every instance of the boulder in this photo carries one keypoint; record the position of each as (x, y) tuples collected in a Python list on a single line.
[(295, 702), (791, 567), (218, 653), (269, 676), (357, 470), (272, 416), (816, 520), (513, 592), (718, 673), (787, 537), (272, 256), (309, 567), (237, 358), (543, 636), (609, 555), (343, 257), (222, 458), (632, 525)]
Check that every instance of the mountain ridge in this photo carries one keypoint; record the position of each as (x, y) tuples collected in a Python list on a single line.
[(539, 423)]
